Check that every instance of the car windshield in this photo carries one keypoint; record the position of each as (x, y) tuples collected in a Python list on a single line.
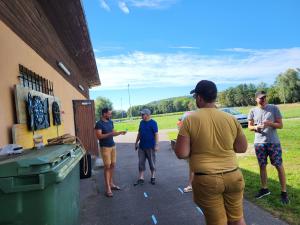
[(231, 111)]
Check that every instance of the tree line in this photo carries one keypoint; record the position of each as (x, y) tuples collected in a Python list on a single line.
[(176, 104), (286, 89)]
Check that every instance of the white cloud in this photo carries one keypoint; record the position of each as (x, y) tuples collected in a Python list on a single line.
[(104, 5), (108, 49), (141, 69), (154, 4), (238, 50), (126, 4), (123, 7)]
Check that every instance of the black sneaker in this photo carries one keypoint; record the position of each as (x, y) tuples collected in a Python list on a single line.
[(262, 193), (139, 181), (152, 181), (284, 198)]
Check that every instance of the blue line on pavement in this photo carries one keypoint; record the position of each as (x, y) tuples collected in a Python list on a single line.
[(145, 194), (199, 210), (154, 219), (180, 190)]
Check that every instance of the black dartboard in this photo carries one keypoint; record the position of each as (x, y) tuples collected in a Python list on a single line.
[(56, 113), (38, 112)]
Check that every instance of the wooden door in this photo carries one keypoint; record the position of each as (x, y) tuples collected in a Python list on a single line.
[(84, 118)]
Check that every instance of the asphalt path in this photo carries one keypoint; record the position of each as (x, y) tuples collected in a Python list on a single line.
[(162, 203)]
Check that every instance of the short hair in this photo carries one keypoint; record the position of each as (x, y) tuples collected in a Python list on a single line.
[(105, 110), (207, 90)]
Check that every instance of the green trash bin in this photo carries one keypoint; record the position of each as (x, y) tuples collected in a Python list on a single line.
[(41, 187)]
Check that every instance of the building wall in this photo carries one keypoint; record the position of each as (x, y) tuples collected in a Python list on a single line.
[(14, 51)]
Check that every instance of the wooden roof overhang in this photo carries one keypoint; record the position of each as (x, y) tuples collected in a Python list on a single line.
[(58, 32)]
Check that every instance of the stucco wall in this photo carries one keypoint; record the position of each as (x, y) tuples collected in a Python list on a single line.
[(13, 51)]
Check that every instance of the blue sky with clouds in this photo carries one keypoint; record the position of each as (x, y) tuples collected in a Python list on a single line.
[(162, 48)]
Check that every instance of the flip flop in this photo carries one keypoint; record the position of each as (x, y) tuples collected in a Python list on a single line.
[(115, 188), (188, 189), (109, 194), (139, 181)]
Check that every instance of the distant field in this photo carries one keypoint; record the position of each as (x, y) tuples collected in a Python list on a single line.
[(168, 121), (164, 122)]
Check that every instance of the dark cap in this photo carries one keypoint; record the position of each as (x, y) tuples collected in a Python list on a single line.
[(260, 94), (146, 112), (207, 89)]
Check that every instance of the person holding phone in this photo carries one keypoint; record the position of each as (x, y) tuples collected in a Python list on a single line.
[(264, 120), (105, 132)]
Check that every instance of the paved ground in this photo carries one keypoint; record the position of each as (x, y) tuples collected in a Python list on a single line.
[(162, 203)]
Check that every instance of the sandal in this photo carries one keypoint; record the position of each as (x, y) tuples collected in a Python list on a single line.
[(188, 189), (139, 181), (115, 188), (109, 194)]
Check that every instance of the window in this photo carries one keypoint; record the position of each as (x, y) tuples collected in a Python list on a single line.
[(35, 81)]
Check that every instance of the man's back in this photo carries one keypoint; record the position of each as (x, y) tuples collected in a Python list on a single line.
[(212, 134)]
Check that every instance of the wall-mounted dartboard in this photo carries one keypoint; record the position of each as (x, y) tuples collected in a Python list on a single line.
[(56, 114), (38, 112)]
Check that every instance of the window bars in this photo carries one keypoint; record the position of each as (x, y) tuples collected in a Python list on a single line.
[(35, 81)]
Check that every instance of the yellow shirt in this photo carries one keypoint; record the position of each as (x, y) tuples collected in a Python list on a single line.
[(212, 134)]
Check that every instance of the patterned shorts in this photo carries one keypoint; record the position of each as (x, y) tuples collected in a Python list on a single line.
[(268, 149)]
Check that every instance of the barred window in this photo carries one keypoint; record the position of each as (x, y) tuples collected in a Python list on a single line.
[(35, 81)]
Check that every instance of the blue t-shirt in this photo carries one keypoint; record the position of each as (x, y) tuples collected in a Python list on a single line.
[(147, 132), (105, 127)]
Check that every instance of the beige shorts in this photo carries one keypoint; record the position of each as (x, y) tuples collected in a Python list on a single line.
[(109, 155), (220, 196)]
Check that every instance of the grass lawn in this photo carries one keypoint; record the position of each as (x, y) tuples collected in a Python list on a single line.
[(290, 140)]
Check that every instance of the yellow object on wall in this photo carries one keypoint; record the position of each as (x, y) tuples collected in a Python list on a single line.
[(24, 137)]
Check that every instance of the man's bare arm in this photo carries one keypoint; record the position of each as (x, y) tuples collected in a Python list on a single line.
[(240, 144), (182, 147), (277, 124), (100, 135)]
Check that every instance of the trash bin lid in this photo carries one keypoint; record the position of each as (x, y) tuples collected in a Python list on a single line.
[(35, 161)]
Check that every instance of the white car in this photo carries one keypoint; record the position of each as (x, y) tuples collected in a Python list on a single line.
[(241, 118)]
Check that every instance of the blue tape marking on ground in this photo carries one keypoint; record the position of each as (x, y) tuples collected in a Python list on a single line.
[(154, 219), (145, 194), (199, 210), (180, 190)]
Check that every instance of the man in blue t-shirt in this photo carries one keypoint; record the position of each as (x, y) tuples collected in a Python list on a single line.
[(105, 133), (147, 144)]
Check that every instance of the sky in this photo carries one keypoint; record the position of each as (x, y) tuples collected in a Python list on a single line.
[(149, 50)]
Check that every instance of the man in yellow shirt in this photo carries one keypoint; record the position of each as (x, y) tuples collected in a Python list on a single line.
[(210, 139)]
